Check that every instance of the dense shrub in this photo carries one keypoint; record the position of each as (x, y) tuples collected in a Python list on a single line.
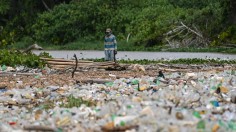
[(146, 21), (15, 57), (64, 21)]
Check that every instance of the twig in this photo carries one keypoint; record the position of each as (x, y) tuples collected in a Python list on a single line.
[(200, 35), (76, 65), (45, 5), (98, 81), (128, 38)]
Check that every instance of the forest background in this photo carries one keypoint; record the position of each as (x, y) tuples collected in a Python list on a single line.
[(154, 25)]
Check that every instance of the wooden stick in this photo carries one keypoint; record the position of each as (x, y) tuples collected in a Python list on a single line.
[(121, 128), (61, 66), (39, 128), (12, 73), (60, 63), (99, 81), (56, 59), (76, 65), (64, 60)]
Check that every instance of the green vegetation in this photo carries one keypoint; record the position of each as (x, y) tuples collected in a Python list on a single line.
[(213, 49), (15, 57), (76, 102), (176, 61), (124, 46), (151, 24)]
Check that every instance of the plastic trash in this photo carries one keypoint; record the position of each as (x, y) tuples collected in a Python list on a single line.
[(215, 128), (179, 116), (197, 114), (3, 89), (233, 98), (201, 124), (179, 103), (215, 103), (224, 89), (4, 67), (160, 74), (124, 121), (135, 82), (109, 84), (232, 125)]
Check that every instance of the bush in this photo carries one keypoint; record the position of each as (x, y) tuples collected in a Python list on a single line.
[(146, 21), (15, 57)]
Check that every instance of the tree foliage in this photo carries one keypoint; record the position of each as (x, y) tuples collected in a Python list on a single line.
[(18, 16), (63, 21)]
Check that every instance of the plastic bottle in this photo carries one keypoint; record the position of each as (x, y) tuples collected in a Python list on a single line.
[(201, 125), (232, 125), (124, 121)]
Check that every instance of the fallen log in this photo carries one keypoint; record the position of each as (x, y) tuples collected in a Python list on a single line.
[(104, 63), (66, 63), (60, 63), (15, 73), (112, 128), (64, 60), (39, 128), (61, 66), (98, 81), (55, 59)]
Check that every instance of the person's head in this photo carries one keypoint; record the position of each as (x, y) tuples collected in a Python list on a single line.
[(108, 32)]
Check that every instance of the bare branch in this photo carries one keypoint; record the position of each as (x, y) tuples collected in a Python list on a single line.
[(200, 35), (175, 30), (45, 5)]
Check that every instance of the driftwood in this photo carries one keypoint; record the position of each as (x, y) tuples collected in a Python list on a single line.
[(60, 63), (39, 128), (182, 35), (63, 64), (16, 73), (173, 66), (119, 129), (76, 65), (34, 46), (64, 60), (56, 59), (98, 81)]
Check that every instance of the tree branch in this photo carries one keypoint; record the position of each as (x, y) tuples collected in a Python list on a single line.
[(45, 5), (200, 35)]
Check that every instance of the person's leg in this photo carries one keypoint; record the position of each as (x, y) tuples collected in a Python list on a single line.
[(109, 55), (106, 55), (112, 55)]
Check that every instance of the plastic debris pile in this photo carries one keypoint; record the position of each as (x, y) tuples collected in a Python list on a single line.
[(173, 101)]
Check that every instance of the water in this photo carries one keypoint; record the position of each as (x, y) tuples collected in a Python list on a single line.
[(86, 54)]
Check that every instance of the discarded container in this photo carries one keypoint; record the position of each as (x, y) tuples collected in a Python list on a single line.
[(232, 125), (197, 114), (215, 128), (4, 67), (215, 103), (201, 124), (179, 103), (124, 121)]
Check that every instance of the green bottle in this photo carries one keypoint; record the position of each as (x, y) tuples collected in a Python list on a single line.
[(201, 124), (197, 114), (232, 125)]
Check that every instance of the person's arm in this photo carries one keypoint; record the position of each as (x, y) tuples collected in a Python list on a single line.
[(115, 43)]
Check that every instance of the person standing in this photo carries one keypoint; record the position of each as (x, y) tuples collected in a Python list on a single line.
[(110, 46)]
